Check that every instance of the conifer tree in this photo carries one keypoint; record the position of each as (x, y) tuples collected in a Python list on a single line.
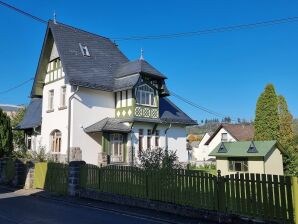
[(6, 145), (267, 120), (286, 133)]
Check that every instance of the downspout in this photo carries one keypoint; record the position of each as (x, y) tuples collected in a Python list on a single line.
[(69, 122), (131, 142), (166, 135)]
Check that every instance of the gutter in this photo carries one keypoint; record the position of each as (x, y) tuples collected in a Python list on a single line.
[(69, 122), (166, 135)]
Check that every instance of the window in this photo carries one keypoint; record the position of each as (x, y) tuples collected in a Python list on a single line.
[(149, 136), (29, 142), (116, 147), (63, 96), (145, 95), (84, 50), (118, 99), (56, 141), (141, 133), (157, 138), (51, 100), (238, 164), (123, 98), (224, 137)]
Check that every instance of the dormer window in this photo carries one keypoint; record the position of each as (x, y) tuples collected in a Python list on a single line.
[(84, 50), (145, 95)]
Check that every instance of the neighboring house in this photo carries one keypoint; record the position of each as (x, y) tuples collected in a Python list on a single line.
[(10, 110), (264, 157), (31, 124), (200, 150), (224, 133), (89, 102)]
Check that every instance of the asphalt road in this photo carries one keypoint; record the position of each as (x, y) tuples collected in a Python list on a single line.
[(17, 207)]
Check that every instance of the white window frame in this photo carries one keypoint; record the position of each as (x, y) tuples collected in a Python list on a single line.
[(51, 94), (149, 138), (63, 96), (145, 95), (56, 140), (157, 138), (117, 147), (224, 139)]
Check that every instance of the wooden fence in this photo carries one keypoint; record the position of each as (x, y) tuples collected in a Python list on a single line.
[(267, 197), (51, 176)]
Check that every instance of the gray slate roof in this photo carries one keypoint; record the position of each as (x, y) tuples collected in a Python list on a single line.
[(138, 66), (99, 71), (170, 113), (95, 71), (32, 117), (126, 82), (108, 125)]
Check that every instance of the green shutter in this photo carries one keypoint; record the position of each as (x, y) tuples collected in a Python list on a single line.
[(106, 143), (125, 147)]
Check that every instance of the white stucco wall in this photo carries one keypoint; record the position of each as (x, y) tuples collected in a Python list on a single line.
[(217, 139), (274, 163), (201, 153), (88, 107), (176, 139), (56, 119), (255, 165)]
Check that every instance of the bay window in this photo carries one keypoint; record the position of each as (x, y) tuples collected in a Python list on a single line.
[(145, 95)]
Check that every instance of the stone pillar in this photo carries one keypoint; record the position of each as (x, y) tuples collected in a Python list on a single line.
[(29, 181), (74, 177), (102, 159), (75, 154), (20, 173)]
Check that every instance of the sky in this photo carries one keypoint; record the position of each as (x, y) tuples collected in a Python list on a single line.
[(224, 72)]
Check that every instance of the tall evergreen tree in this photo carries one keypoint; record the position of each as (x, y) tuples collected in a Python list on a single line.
[(6, 145), (267, 120), (286, 133)]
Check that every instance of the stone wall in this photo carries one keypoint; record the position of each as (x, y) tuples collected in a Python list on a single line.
[(202, 214)]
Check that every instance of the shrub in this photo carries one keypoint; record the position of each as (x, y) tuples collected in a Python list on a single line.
[(158, 158)]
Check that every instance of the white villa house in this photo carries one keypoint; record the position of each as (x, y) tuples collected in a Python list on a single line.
[(89, 102), (224, 133)]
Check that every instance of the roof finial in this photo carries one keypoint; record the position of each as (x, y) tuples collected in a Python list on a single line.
[(142, 54), (54, 17)]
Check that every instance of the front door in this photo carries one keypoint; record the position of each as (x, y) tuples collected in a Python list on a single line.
[(117, 148)]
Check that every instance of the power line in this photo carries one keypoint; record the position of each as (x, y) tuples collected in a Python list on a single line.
[(15, 87), (211, 30), (199, 107), (23, 12), (179, 34)]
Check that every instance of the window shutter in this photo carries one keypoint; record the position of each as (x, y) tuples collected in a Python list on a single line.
[(106, 143)]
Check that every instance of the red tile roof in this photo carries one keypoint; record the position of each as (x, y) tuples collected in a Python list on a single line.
[(241, 132)]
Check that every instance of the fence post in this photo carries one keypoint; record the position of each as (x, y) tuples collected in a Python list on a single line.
[(295, 197), (74, 177)]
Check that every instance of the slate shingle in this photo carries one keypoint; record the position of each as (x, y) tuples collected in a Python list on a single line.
[(32, 117)]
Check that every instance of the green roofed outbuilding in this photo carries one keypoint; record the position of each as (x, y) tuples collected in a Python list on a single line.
[(263, 157)]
